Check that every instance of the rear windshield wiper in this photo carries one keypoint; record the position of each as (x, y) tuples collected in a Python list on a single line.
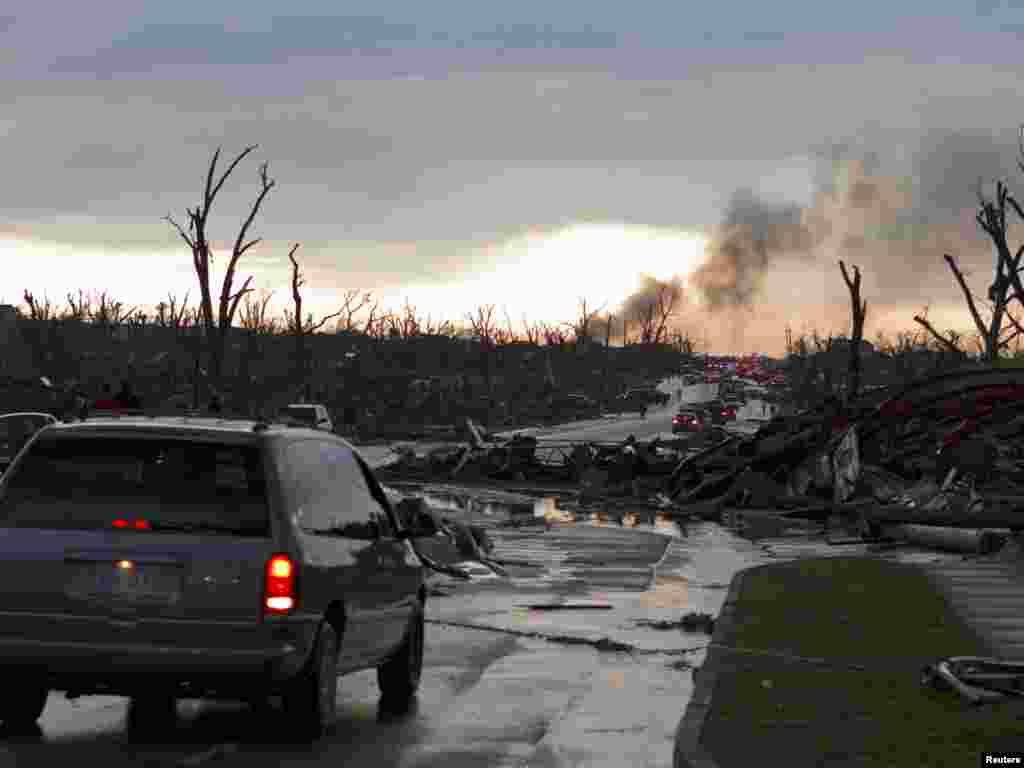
[(208, 528)]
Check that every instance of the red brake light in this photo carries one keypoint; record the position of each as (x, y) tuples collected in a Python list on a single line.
[(139, 525), (279, 588)]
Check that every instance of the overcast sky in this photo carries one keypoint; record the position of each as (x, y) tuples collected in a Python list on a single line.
[(522, 154)]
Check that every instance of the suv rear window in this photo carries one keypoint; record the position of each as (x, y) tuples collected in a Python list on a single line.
[(172, 484)]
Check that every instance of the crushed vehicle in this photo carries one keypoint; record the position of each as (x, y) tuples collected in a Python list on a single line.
[(179, 557)]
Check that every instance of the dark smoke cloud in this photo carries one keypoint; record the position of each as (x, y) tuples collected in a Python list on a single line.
[(752, 233), (648, 295), (894, 216)]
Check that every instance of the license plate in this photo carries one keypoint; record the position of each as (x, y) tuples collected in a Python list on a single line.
[(143, 583)]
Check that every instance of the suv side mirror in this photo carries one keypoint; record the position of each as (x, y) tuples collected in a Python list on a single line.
[(415, 517)]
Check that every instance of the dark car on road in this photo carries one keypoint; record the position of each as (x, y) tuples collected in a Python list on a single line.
[(689, 420), (169, 557), (722, 412)]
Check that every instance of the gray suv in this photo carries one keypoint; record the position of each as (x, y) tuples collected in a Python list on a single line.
[(164, 558)]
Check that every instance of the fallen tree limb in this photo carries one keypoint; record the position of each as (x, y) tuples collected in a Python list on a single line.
[(993, 515)]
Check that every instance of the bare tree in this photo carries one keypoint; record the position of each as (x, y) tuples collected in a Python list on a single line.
[(411, 323), (108, 312), (439, 327), (511, 334), (992, 334), (175, 312), (553, 335), (354, 302), (583, 326), (1001, 328), (376, 325), (532, 331), (653, 309), (858, 311), (256, 315), (79, 308), (667, 298), (302, 327), (483, 324), (218, 326), (942, 340), (39, 310)]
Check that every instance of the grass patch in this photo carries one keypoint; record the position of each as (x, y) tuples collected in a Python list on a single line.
[(847, 612)]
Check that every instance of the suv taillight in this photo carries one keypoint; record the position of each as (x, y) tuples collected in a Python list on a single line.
[(279, 585)]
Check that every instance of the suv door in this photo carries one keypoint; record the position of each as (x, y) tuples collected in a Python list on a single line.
[(337, 531), (399, 571)]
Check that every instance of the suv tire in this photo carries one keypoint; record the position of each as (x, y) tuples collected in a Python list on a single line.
[(23, 703), (310, 700), (399, 677)]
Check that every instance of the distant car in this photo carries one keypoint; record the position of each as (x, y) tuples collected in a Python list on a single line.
[(722, 412), (688, 420), (168, 557), (16, 429), (309, 414)]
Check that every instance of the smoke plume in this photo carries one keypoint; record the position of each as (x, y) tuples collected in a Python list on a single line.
[(895, 225), (654, 295)]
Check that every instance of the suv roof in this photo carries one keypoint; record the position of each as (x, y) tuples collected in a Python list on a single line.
[(182, 425)]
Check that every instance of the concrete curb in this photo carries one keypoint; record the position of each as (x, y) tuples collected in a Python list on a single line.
[(688, 751)]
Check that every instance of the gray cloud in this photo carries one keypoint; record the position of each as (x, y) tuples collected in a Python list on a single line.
[(407, 178)]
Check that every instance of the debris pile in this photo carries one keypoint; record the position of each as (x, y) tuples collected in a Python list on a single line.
[(690, 622), (592, 470), (941, 462)]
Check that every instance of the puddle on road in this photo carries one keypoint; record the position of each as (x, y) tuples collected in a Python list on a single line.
[(697, 567), (500, 508)]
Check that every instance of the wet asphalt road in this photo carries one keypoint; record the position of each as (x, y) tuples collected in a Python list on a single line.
[(487, 696), (502, 685)]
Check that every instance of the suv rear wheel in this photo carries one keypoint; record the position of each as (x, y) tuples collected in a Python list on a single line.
[(23, 702), (310, 702), (399, 677)]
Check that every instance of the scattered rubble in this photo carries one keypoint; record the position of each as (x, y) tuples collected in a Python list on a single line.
[(593, 472), (976, 679), (939, 464), (690, 622)]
